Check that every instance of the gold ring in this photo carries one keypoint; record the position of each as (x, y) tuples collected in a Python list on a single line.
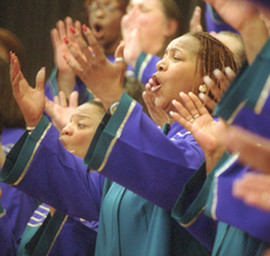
[(119, 59)]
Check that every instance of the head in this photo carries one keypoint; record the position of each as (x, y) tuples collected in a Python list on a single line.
[(186, 61), (159, 21), (104, 18), (10, 114), (77, 135), (234, 42), (10, 42)]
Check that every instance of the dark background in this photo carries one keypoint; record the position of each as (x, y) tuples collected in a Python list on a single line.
[(32, 20)]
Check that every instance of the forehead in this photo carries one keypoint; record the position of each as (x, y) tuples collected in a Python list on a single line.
[(187, 43), (148, 2), (86, 110)]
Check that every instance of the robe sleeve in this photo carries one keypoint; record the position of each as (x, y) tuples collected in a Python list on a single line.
[(129, 148), (39, 165)]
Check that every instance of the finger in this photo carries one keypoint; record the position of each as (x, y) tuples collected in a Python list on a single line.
[(73, 64), (61, 29), (209, 103), (86, 52), (49, 107), (189, 105), (197, 102), (73, 99), (56, 100), (149, 100), (119, 55), (183, 116), (222, 80), (93, 42), (78, 25), (195, 22), (55, 38), (212, 86), (63, 99), (247, 144), (40, 79), (186, 124), (230, 73), (69, 27)]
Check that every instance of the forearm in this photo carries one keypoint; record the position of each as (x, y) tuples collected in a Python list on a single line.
[(66, 82), (254, 36)]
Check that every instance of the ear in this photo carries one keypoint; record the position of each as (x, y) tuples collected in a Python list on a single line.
[(172, 26)]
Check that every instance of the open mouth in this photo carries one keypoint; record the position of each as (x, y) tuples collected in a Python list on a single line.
[(156, 84), (98, 31)]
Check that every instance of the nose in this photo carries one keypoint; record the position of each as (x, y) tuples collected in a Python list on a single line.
[(162, 65), (67, 130)]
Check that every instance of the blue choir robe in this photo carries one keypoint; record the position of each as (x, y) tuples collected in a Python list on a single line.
[(8, 243), (128, 223), (31, 165), (59, 234), (153, 165), (18, 205), (242, 230)]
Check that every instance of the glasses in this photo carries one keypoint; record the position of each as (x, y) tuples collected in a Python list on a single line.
[(106, 8)]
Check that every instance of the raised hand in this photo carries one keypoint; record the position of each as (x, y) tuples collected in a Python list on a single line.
[(60, 110), (244, 16), (104, 79), (193, 116), (130, 31), (223, 80), (30, 100), (254, 189), (195, 21), (158, 115), (253, 149), (60, 34)]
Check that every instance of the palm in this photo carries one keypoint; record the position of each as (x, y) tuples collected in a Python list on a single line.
[(229, 10), (30, 100)]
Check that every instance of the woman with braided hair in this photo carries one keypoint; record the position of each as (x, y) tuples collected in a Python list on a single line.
[(128, 147)]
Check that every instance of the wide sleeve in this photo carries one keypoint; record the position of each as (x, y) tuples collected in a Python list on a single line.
[(39, 165), (131, 150), (190, 206)]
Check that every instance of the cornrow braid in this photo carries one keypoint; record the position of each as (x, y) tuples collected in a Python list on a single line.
[(213, 54)]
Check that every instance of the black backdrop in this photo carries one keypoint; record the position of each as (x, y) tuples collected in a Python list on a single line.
[(32, 20)]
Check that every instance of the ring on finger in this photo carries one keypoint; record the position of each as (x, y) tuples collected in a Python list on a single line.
[(119, 59), (193, 118)]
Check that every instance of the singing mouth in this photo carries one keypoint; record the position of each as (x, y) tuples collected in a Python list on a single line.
[(98, 31), (156, 83)]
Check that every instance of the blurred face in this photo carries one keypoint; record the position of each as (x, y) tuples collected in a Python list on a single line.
[(152, 24), (104, 20), (77, 135), (177, 72)]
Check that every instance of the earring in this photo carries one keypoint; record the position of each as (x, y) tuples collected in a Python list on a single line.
[(203, 88)]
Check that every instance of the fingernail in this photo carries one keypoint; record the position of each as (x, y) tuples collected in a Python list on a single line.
[(207, 80), (84, 27), (65, 40), (72, 30), (228, 70), (216, 72)]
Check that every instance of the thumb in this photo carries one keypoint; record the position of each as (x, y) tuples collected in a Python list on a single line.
[(40, 79), (119, 55)]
